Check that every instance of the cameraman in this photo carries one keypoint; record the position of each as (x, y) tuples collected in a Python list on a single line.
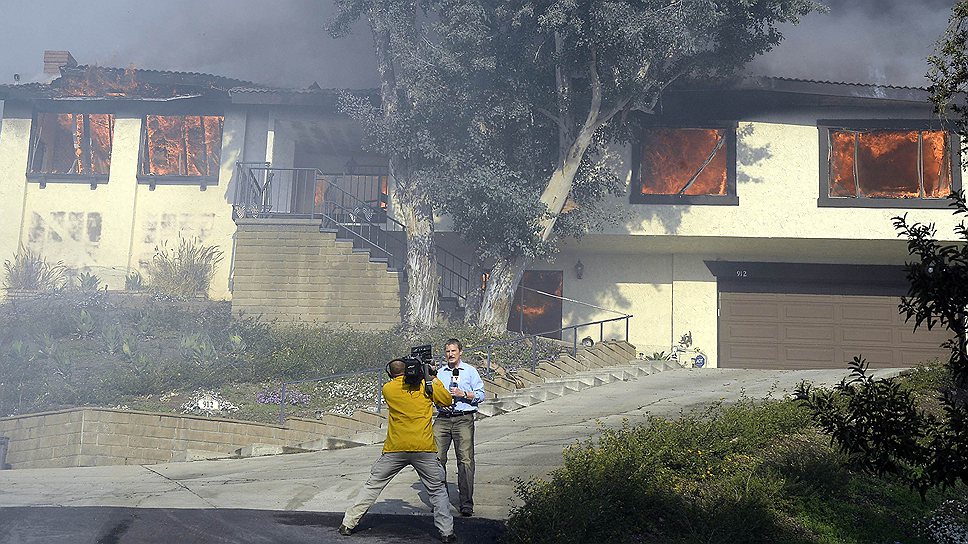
[(409, 441), (456, 424)]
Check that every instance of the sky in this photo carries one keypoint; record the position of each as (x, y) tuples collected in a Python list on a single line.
[(283, 42)]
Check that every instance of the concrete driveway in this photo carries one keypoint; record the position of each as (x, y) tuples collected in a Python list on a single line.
[(300, 497)]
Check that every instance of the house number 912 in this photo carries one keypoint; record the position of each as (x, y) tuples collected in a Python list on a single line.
[(741, 274)]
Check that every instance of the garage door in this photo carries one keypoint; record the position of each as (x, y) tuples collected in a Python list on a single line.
[(797, 330)]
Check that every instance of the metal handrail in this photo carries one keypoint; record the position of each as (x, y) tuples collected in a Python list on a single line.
[(455, 273), (489, 348), (282, 389), (534, 339)]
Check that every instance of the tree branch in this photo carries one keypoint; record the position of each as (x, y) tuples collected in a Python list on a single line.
[(553, 117)]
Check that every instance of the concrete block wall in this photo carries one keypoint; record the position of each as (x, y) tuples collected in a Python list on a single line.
[(287, 269), (103, 436)]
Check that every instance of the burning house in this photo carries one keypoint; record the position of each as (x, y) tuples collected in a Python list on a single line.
[(759, 209)]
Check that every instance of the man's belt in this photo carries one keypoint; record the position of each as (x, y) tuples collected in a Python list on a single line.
[(455, 413)]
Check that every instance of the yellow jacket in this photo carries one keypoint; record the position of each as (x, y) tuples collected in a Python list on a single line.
[(410, 421)]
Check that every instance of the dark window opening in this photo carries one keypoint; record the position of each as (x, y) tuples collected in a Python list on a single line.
[(536, 313), (685, 166), (181, 146), (71, 144)]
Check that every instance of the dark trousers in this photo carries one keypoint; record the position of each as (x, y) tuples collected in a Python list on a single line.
[(459, 431)]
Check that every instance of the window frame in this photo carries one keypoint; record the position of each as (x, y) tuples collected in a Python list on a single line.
[(175, 179), (43, 178), (824, 200), (731, 198)]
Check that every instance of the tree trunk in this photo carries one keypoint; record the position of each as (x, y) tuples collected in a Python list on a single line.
[(472, 304), (498, 296), (410, 201), (504, 278), (423, 278)]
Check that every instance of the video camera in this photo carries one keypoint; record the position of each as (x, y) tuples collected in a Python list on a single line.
[(419, 367)]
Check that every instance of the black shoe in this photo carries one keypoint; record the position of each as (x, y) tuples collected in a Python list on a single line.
[(344, 530), (448, 538), (466, 512)]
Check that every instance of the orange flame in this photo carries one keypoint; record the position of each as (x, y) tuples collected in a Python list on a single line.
[(103, 82), (182, 145), (671, 157), (73, 143), (886, 164)]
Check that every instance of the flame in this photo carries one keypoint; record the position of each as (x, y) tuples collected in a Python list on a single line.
[(936, 164), (888, 164), (534, 309), (671, 157), (384, 181), (182, 145), (64, 139), (841, 162), (95, 81)]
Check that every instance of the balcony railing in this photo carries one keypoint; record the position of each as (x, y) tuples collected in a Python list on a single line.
[(352, 205), (264, 190)]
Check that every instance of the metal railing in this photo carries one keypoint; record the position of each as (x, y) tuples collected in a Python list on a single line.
[(355, 206), (378, 404), (489, 349)]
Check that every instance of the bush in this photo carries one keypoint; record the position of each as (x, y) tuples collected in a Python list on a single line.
[(185, 271), (134, 282), (751, 472), (121, 350), (31, 271)]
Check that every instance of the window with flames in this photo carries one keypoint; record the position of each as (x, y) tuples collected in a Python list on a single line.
[(71, 144), (889, 164), (181, 145), (685, 165)]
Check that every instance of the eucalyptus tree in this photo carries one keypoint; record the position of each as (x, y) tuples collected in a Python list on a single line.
[(499, 112), (584, 65)]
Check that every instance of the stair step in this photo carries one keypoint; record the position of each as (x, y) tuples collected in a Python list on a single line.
[(346, 423), (260, 450), (370, 418), (329, 443)]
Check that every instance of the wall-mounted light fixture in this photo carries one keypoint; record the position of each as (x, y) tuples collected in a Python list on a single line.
[(579, 269)]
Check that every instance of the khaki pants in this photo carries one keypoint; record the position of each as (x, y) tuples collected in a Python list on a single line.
[(460, 431), (431, 474)]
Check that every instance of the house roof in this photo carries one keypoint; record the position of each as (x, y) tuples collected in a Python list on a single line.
[(163, 85), (833, 88), (90, 82)]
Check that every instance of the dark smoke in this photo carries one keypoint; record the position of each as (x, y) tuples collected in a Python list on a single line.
[(282, 42), (271, 42), (864, 41)]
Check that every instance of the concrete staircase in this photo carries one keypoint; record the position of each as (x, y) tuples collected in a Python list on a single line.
[(603, 363)]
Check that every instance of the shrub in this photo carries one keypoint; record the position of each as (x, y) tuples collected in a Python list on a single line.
[(31, 271), (185, 271), (751, 472), (88, 282), (134, 281)]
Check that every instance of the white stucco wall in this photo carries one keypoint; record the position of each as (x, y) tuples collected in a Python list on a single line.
[(116, 227), (14, 137)]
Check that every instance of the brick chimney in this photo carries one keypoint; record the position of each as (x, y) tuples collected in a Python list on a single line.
[(54, 60)]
